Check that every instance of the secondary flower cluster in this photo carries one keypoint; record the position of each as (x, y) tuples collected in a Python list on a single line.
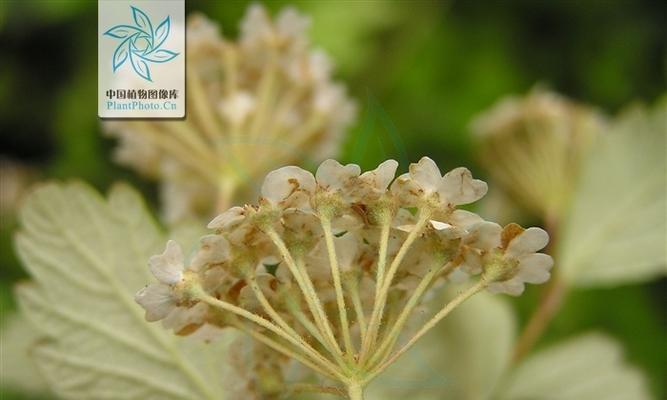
[(263, 100), (533, 147), (328, 269)]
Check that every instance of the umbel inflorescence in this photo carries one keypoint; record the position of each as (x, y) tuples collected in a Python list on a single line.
[(329, 269), (265, 99)]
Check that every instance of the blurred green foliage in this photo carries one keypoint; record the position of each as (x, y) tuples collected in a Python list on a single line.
[(419, 71)]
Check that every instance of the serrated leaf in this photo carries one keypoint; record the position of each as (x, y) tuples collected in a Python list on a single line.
[(588, 367), (616, 232), (87, 256), (462, 358)]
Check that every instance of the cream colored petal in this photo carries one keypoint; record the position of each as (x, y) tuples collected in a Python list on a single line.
[(458, 187), (446, 230), (528, 241), (184, 316), (207, 333), (228, 218), (464, 219), (256, 25), (333, 175), (168, 266), (426, 174), (534, 268), (406, 190), (157, 300), (484, 235), (281, 183), (439, 226), (472, 262), (381, 177), (347, 247), (213, 249), (458, 276), (291, 24), (512, 287)]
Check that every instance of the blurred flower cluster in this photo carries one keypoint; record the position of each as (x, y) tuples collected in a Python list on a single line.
[(263, 100), (288, 269), (534, 147)]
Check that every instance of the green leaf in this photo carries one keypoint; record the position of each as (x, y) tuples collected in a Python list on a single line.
[(462, 358), (18, 370), (615, 232), (88, 256), (588, 367)]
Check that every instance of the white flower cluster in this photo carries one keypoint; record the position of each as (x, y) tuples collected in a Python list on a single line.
[(263, 100), (329, 268)]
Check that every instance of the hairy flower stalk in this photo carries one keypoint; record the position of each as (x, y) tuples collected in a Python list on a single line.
[(329, 269), (263, 100)]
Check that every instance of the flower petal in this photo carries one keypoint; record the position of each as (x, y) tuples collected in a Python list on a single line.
[(285, 181), (484, 235), (346, 250), (168, 266), (426, 174), (472, 262), (513, 287), (446, 230), (333, 175), (157, 300), (528, 241), (184, 316), (534, 268), (464, 219), (228, 218), (381, 177), (458, 187), (213, 249)]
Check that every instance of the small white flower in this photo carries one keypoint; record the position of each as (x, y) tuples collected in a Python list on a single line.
[(288, 187), (424, 182), (213, 249), (520, 258), (158, 301), (237, 107), (333, 176), (482, 238), (168, 267), (380, 178), (158, 298)]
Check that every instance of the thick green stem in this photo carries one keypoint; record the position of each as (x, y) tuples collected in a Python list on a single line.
[(355, 391)]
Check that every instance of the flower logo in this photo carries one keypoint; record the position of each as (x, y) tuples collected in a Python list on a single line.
[(140, 43)]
